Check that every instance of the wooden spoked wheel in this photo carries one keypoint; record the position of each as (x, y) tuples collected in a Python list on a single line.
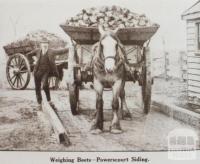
[(146, 81), (18, 71)]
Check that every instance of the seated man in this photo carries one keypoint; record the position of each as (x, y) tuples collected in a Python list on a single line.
[(45, 67)]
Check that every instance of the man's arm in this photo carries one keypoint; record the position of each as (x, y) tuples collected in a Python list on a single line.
[(32, 53), (59, 51)]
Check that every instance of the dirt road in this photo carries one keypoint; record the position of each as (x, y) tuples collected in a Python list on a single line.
[(22, 127)]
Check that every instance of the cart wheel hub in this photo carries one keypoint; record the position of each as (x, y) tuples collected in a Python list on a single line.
[(16, 71)]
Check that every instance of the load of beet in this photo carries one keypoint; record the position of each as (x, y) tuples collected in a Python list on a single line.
[(32, 40), (109, 17), (83, 27)]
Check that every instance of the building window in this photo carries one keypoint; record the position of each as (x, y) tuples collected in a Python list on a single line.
[(198, 36)]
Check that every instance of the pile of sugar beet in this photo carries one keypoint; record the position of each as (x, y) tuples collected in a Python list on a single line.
[(32, 40), (109, 17)]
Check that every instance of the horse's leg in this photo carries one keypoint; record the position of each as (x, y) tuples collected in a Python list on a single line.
[(38, 81), (124, 111), (115, 125), (97, 125)]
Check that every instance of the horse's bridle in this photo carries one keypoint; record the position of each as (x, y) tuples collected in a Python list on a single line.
[(116, 39), (99, 59)]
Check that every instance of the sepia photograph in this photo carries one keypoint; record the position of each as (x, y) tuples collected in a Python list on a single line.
[(100, 76)]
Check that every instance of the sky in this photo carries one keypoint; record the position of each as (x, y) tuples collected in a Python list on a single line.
[(24, 16)]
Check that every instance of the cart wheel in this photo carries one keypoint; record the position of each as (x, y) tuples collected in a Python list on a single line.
[(146, 81), (18, 71), (74, 97)]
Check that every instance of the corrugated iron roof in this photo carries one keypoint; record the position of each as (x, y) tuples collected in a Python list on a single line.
[(193, 9)]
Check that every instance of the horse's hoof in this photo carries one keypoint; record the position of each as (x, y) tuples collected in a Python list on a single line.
[(116, 131), (96, 131)]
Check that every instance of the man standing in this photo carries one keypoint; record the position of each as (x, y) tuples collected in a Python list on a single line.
[(45, 67)]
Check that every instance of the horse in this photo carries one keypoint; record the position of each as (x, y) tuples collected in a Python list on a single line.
[(108, 66)]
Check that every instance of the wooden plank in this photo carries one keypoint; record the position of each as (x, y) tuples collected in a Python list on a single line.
[(61, 133), (191, 30), (193, 94), (193, 77), (193, 59), (190, 54), (194, 98), (191, 16), (191, 37), (190, 24), (193, 83), (190, 33), (191, 47), (191, 42), (194, 89), (193, 65), (194, 71)]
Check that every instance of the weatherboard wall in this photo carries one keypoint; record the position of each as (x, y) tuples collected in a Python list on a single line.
[(193, 63)]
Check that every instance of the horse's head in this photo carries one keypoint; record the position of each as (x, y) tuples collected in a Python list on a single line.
[(109, 45)]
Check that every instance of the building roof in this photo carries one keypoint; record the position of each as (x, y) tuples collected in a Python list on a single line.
[(192, 12)]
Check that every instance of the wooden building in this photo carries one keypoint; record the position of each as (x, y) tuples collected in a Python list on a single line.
[(192, 17)]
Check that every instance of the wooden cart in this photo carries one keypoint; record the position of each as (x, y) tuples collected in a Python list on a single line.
[(134, 40), (20, 65)]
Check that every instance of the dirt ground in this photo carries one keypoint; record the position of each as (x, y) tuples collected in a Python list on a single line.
[(22, 127)]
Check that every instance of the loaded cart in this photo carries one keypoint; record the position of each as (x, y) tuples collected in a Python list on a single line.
[(20, 64), (135, 41)]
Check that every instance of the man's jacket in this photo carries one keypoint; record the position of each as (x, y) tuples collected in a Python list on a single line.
[(51, 53)]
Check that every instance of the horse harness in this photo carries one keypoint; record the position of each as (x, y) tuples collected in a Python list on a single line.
[(98, 59)]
